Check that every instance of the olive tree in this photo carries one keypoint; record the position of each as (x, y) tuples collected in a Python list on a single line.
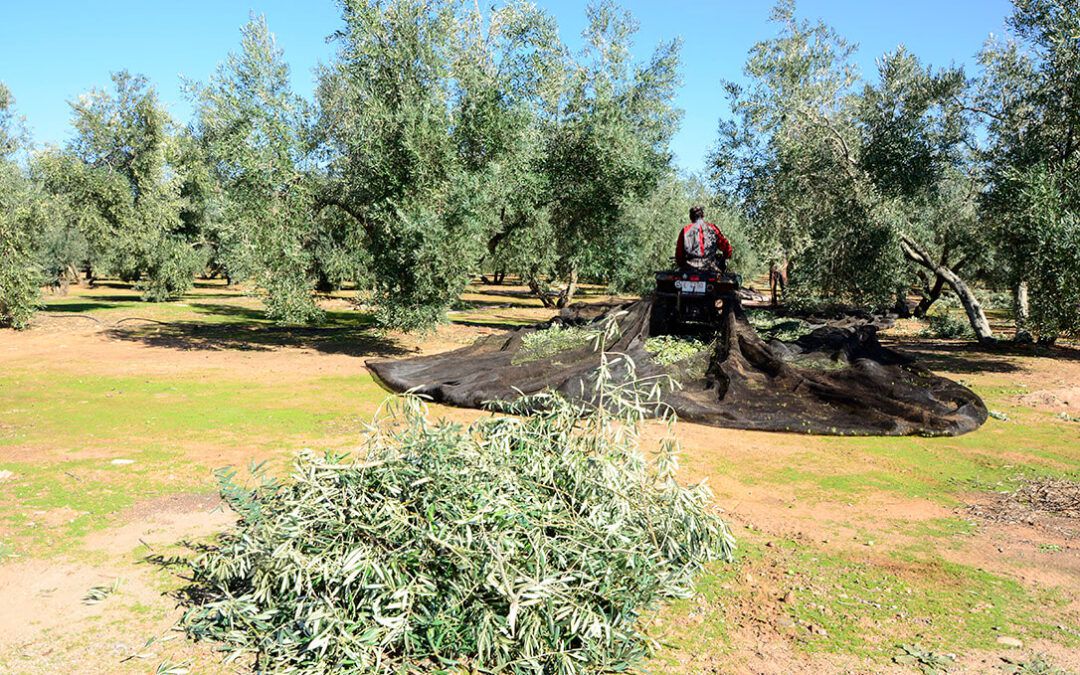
[(1029, 97), (607, 156), (250, 126), (914, 149), (19, 278), (851, 184), (120, 176), (425, 123), (790, 156)]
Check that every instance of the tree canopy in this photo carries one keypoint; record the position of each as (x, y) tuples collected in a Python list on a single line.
[(444, 142), (868, 191)]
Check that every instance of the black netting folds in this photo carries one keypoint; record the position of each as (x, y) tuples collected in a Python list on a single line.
[(836, 380)]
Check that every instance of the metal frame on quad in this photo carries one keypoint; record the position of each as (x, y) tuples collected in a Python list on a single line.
[(685, 300)]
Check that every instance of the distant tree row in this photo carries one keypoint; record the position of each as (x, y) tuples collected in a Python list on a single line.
[(923, 178), (441, 141)]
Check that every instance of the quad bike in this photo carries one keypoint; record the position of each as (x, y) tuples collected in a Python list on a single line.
[(685, 301)]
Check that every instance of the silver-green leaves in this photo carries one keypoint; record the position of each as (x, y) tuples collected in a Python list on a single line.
[(512, 545)]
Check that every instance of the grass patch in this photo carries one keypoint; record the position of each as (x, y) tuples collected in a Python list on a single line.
[(837, 603), (49, 508), (106, 411), (940, 528), (997, 457), (866, 609)]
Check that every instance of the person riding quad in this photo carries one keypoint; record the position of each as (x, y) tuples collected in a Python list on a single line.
[(701, 245)]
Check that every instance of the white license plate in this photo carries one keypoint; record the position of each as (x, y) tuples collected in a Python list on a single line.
[(690, 286)]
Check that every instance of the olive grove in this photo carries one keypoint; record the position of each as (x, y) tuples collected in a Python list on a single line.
[(444, 142), (921, 179)]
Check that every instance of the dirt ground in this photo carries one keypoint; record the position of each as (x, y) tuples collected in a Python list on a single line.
[(114, 414)]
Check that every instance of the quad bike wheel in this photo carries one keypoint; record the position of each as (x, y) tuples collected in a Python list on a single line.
[(664, 316)]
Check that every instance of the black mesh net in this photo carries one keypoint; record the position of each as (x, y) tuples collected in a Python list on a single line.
[(835, 380)]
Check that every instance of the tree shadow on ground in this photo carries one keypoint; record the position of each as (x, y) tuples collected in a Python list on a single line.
[(497, 323), (225, 295), (970, 357), (468, 305), (115, 297), (357, 338), (240, 313), (78, 307), (504, 293)]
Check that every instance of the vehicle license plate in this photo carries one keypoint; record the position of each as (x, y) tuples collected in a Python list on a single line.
[(691, 286)]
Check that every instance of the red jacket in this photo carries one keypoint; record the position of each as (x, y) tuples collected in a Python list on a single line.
[(700, 243)]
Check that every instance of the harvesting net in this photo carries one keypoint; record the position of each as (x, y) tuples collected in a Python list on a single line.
[(836, 380)]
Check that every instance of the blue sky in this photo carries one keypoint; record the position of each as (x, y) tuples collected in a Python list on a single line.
[(52, 51)]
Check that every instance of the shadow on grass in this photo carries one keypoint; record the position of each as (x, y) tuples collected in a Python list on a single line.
[(497, 323), (969, 357), (115, 297), (238, 312), (226, 296), (79, 307), (352, 335), (467, 305), (504, 293)]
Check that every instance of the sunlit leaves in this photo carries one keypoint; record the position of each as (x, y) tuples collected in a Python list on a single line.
[(516, 544)]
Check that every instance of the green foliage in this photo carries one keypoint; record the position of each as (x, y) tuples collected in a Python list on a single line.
[(792, 157), (516, 544), (772, 327), (1029, 96), (443, 138), (923, 660), (423, 132), (19, 277), (542, 344), (120, 182), (98, 594), (668, 349), (250, 131), (1047, 236), (608, 160), (1035, 665), (844, 183), (945, 325)]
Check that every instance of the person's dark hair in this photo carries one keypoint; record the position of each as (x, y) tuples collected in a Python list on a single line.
[(696, 213)]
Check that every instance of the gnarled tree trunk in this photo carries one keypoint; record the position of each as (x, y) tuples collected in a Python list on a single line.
[(974, 310), (930, 294)]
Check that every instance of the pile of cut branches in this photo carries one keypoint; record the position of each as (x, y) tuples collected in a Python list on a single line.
[(552, 340), (513, 545)]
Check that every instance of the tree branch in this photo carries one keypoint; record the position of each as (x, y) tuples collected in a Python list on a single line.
[(325, 201)]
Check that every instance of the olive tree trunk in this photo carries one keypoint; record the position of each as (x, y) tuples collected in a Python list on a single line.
[(974, 310), (1022, 310), (930, 294)]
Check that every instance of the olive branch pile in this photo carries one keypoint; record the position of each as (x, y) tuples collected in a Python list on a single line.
[(528, 544)]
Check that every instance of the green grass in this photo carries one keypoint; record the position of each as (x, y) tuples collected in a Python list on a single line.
[(841, 603), (997, 456), (80, 423), (58, 408), (49, 508), (866, 608)]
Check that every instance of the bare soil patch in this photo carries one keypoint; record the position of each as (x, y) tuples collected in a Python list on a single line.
[(1057, 399), (1051, 504)]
